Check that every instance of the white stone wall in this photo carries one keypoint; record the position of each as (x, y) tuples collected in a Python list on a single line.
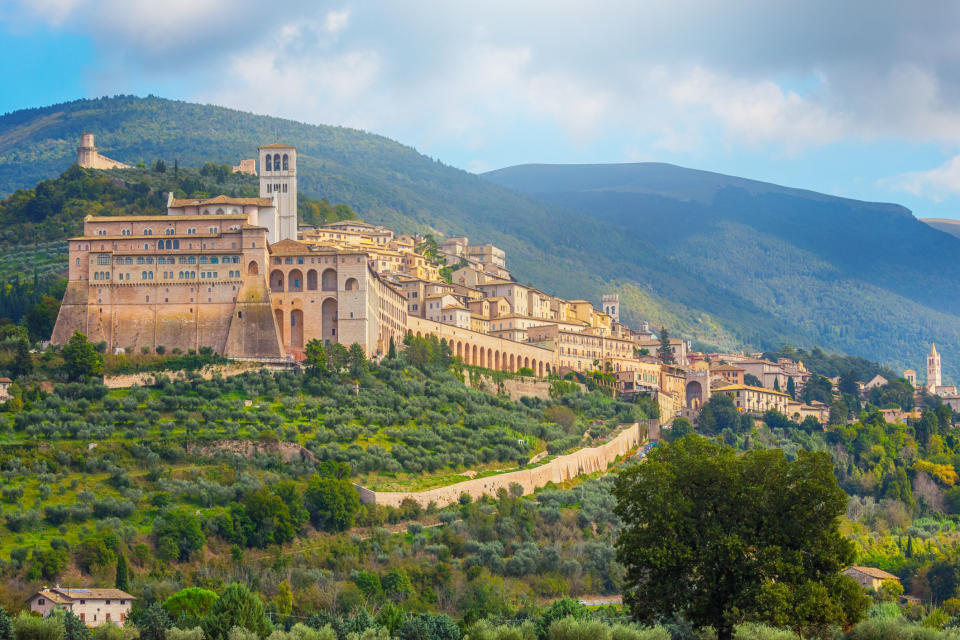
[(560, 469)]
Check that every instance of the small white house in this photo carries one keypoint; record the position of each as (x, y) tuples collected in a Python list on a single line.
[(93, 606)]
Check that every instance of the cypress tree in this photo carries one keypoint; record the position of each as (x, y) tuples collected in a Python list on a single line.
[(22, 362), (74, 628), (6, 627), (123, 573)]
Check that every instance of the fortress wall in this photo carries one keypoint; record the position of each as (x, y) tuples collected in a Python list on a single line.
[(560, 469)]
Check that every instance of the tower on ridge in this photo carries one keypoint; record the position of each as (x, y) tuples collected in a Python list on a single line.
[(278, 180), (933, 369)]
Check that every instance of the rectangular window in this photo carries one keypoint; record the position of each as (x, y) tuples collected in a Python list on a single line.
[(103, 259)]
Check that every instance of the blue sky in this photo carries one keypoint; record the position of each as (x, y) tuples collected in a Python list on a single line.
[(859, 99)]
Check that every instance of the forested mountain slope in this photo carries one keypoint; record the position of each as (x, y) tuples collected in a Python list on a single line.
[(693, 261), (867, 278)]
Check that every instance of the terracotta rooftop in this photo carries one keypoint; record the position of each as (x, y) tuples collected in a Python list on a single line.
[(192, 202), (276, 145), (873, 572), (63, 595)]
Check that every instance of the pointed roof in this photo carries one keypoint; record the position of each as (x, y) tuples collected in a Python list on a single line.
[(933, 349)]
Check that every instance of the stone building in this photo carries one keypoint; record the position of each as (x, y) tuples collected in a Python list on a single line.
[(869, 577), (247, 166), (89, 158), (94, 607), (756, 399)]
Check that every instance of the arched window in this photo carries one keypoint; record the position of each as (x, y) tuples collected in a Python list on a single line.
[(286, 164), (176, 244), (276, 162), (269, 163), (219, 212)]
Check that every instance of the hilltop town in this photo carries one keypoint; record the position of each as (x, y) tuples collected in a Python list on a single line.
[(241, 276)]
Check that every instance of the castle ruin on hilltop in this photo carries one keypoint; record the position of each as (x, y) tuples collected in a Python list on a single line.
[(89, 158)]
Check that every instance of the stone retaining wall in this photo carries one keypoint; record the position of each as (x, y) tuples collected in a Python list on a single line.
[(145, 379), (558, 470)]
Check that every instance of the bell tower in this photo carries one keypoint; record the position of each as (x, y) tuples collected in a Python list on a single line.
[(933, 369), (278, 180)]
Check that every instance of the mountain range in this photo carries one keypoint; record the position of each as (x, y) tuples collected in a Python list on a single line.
[(725, 261)]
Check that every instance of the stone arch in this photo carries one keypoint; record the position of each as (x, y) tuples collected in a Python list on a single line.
[(296, 328), (328, 320), (278, 314), (276, 162), (526, 362), (276, 281), (269, 163), (351, 284), (513, 363), (328, 281), (286, 162), (473, 354), (312, 280), (419, 335), (694, 394), (295, 280), (540, 369), (496, 360)]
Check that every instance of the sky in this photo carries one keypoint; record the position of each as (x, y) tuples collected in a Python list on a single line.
[(857, 99)]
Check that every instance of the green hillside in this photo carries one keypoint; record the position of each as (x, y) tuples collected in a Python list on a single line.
[(727, 285), (865, 278)]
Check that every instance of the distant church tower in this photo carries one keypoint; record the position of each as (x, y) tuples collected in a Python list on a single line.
[(611, 306), (278, 178), (933, 369)]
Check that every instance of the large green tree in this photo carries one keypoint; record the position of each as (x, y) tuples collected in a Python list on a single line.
[(80, 358), (721, 538), (188, 606), (330, 498), (719, 413), (237, 607)]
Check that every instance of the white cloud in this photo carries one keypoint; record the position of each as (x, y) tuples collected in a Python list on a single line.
[(638, 76), (936, 184), (758, 112), (337, 20)]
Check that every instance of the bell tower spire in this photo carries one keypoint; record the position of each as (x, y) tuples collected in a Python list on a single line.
[(934, 379)]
